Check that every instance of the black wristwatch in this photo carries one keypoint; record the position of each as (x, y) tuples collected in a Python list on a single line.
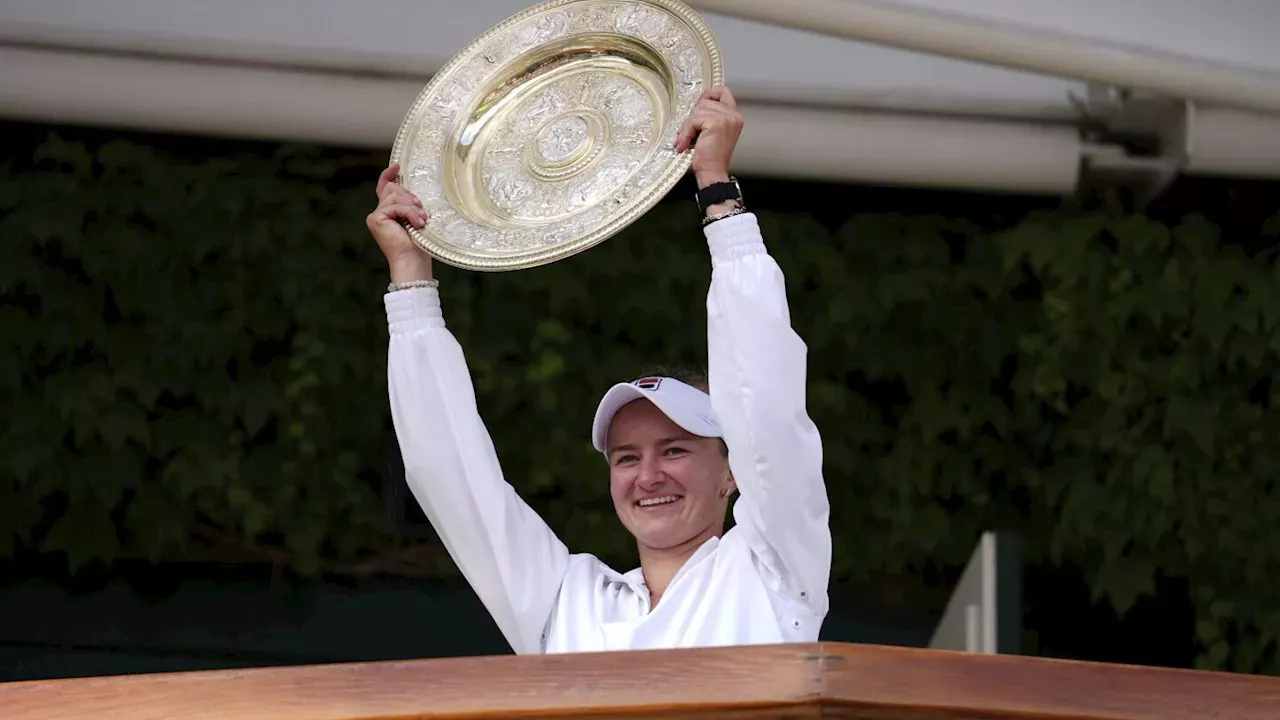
[(717, 193)]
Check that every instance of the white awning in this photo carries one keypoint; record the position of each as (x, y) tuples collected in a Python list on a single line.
[(818, 106)]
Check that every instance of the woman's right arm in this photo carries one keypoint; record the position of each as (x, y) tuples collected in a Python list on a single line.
[(508, 554)]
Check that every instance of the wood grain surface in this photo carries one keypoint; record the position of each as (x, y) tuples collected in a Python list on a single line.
[(637, 684), (820, 680), (901, 683)]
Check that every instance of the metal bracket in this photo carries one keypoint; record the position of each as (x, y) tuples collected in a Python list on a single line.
[(1132, 141)]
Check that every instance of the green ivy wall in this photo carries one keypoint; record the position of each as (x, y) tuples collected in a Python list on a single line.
[(192, 365)]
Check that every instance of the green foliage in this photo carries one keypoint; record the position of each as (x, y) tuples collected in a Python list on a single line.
[(194, 363)]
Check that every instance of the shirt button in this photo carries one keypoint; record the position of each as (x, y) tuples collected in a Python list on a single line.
[(804, 594)]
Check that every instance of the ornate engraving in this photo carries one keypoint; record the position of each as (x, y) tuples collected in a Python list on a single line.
[(523, 159), (688, 65), (547, 27), (627, 103), (562, 138)]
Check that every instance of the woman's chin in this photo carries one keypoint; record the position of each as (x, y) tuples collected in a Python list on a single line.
[(664, 535)]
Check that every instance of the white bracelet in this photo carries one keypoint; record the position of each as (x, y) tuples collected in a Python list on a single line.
[(394, 287)]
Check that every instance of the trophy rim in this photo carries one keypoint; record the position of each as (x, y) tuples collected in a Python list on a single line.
[(648, 196)]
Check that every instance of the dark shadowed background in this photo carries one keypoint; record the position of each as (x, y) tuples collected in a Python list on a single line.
[(197, 468)]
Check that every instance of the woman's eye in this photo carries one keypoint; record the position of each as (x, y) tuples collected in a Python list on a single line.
[(675, 451), (624, 459)]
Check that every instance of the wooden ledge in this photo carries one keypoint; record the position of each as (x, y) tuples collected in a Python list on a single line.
[(792, 681)]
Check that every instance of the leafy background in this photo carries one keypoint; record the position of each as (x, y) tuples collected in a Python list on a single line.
[(192, 369)]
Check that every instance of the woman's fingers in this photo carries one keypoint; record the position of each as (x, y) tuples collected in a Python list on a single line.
[(388, 177), (411, 214), (397, 195)]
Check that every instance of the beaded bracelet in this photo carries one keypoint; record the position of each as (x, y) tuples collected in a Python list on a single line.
[(723, 216), (394, 287)]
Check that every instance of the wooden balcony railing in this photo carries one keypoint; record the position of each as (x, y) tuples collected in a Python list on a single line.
[(794, 681)]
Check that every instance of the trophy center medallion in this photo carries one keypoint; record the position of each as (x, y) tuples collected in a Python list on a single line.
[(562, 139), (567, 145)]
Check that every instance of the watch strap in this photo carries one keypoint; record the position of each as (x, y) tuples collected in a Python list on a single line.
[(717, 193)]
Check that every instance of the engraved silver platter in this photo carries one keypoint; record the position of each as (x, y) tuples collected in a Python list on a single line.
[(555, 130)]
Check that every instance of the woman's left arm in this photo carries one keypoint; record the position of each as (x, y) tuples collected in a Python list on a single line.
[(757, 376), (757, 368)]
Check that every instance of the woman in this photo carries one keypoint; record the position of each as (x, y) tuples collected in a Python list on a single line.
[(675, 455)]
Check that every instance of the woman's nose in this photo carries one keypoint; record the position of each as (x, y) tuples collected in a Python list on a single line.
[(650, 477)]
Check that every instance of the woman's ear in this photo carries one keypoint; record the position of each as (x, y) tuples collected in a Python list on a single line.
[(730, 485)]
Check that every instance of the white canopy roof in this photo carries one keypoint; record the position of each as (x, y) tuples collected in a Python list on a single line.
[(345, 72)]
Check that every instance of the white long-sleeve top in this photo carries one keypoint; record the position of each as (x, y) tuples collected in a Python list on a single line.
[(764, 581)]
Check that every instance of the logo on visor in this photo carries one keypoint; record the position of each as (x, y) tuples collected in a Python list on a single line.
[(649, 383)]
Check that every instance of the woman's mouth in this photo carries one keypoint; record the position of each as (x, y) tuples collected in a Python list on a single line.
[(654, 502)]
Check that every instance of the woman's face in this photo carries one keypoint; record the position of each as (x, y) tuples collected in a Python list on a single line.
[(668, 487)]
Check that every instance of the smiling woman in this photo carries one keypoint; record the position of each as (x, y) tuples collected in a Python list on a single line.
[(669, 472), (676, 452)]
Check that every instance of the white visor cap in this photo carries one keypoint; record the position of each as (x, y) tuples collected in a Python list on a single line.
[(685, 405)]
